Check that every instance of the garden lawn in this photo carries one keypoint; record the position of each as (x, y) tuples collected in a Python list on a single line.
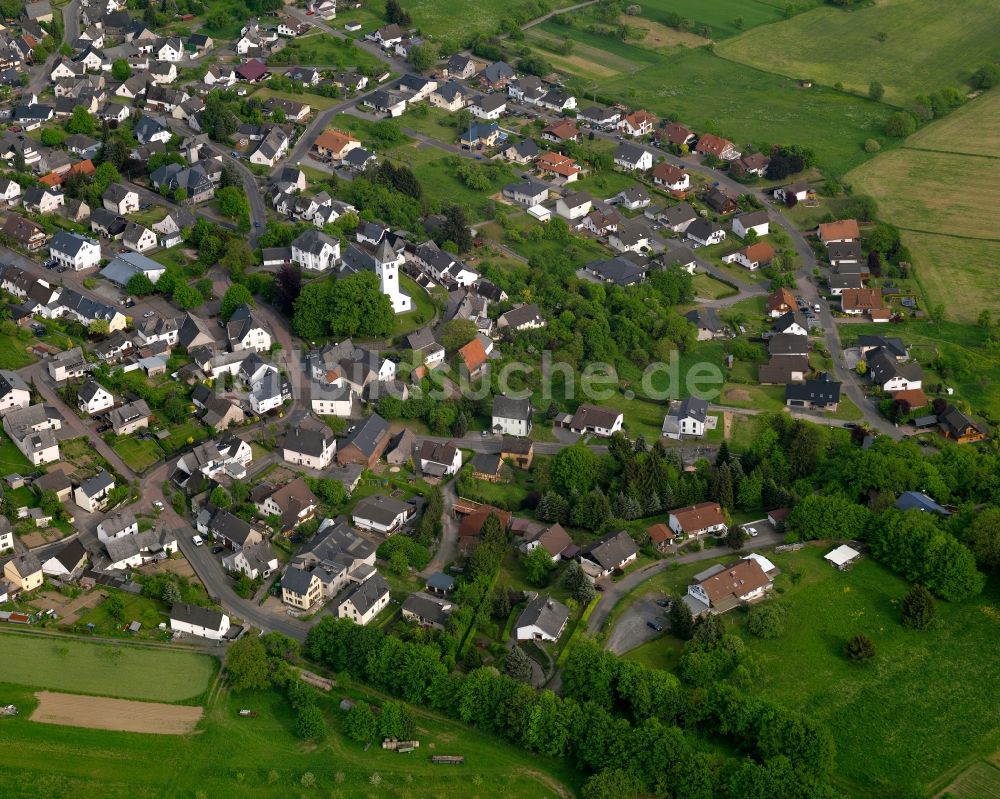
[(149, 612), (927, 703), (179, 435), (13, 354), (315, 101), (263, 759), (11, 459), (138, 453), (423, 308), (126, 672), (326, 50), (927, 46), (707, 287)]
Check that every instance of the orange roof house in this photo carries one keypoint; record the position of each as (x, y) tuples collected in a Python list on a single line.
[(842, 230), (781, 302), (660, 535), (473, 355), (914, 397), (558, 164), (51, 180), (84, 167), (710, 144), (335, 143), (563, 130)]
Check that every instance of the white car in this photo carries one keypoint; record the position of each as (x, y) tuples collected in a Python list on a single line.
[(198, 541), (750, 531), (817, 307), (158, 505)]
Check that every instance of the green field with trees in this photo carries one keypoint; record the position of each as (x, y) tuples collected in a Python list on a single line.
[(911, 47)]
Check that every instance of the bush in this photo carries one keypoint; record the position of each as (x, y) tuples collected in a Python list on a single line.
[(309, 724), (766, 620), (860, 648), (900, 125), (872, 146), (918, 608)]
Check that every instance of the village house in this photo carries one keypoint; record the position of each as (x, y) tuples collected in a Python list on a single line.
[(365, 601), (613, 551), (670, 177), (710, 144), (93, 398), (93, 492), (696, 521), (756, 221), (821, 394), (310, 444), (439, 460), (637, 123), (543, 619), (754, 256), (427, 610), (719, 588), (841, 231), (858, 301), (686, 419), (198, 621), (293, 503), (31, 429), (592, 420)]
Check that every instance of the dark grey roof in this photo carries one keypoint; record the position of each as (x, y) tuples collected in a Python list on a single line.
[(629, 152), (429, 608), (611, 550), (71, 554), (365, 596), (883, 366), (367, 434), (545, 613), (910, 500), (705, 319), (511, 408), (787, 344), (296, 580), (380, 509), (753, 218), (440, 581), (89, 390), (198, 616), (96, 484), (823, 390), (486, 463)]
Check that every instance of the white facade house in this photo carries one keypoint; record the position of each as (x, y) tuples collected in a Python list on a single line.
[(14, 392), (544, 619), (381, 514), (93, 397), (756, 221), (195, 620), (511, 417), (312, 446), (92, 493), (74, 251), (117, 525), (365, 601), (316, 251)]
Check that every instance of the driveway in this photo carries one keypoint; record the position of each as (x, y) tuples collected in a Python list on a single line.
[(632, 629)]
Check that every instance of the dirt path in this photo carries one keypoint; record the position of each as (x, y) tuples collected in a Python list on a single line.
[(124, 715)]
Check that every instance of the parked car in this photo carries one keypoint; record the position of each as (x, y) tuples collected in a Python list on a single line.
[(197, 540), (158, 505), (664, 602), (217, 550), (654, 625), (750, 531)]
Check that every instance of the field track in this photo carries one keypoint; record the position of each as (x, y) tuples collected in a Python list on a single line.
[(123, 715)]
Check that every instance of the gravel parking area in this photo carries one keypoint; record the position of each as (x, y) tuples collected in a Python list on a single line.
[(631, 629)]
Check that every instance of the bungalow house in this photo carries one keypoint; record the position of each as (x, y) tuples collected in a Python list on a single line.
[(721, 588), (822, 394), (335, 144), (633, 159), (634, 198), (474, 357), (695, 521), (543, 619), (670, 177), (707, 323), (199, 621), (528, 193), (677, 135), (93, 398), (956, 426), (561, 131), (787, 344), (439, 460), (613, 551), (511, 416), (386, 102), (685, 419), (704, 232), (756, 221), (554, 540), (677, 218), (366, 443), (754, 256), (365, 601), (661, 536), (710, 144), (843, 230), (592, 420), (427, 610), (858, 301), (93, 492), (597, 117), (753, 165), (637, 123), (524, 317), (783, 369)]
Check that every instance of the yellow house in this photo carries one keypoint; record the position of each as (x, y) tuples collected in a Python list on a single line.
[(24, 571)]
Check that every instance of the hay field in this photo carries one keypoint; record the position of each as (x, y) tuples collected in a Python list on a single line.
[(929, 45), (974, 129), (123, 715)]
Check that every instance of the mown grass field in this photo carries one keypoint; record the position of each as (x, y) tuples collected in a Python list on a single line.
[(929, 45), (979, 781), (13, 354), (720, 15), (325, 50), (445, 19), (125, 672), (260, 759), (974, 129), (910, 720), (746, 104), (934, 192), (945, 203), (139, 454), (11, 458)]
